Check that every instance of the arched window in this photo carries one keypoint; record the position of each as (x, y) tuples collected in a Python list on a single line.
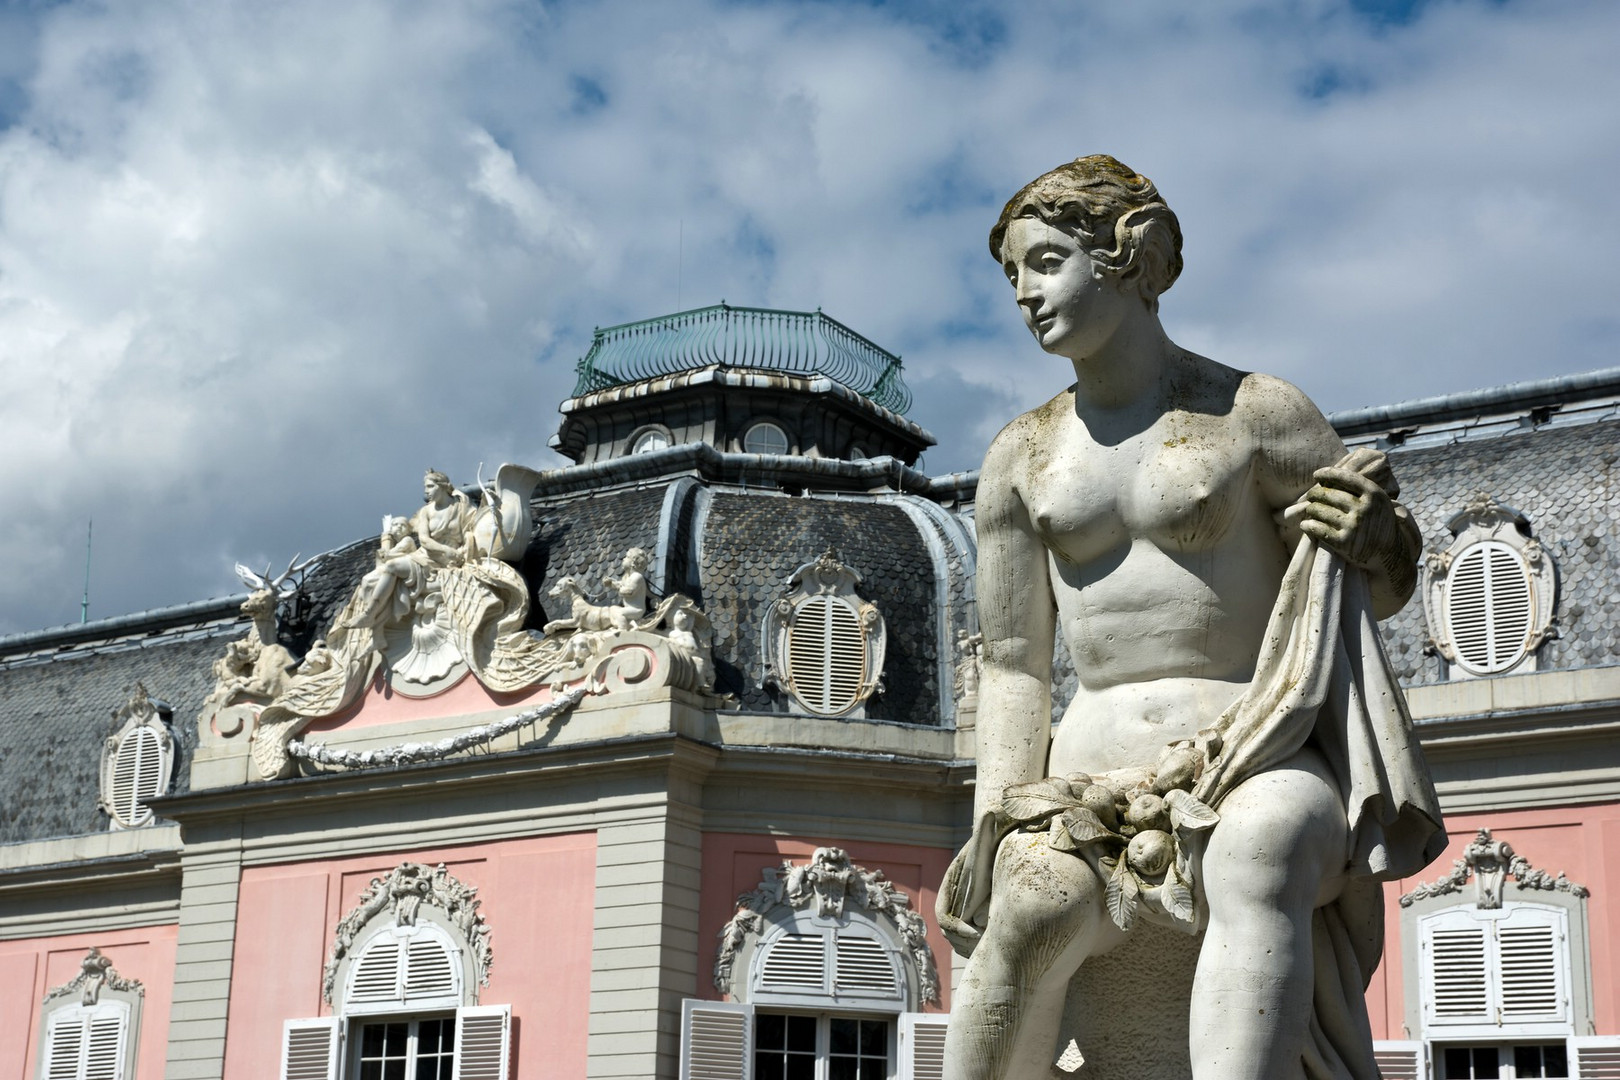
[(1497, 973), (823, 644), (764, 437), (90, 1026), (828, 969), (137, 762), (403, 979), (1489, 597), (649, 439)]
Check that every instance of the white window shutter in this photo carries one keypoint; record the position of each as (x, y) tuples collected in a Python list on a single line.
[(105, 1053), (717, 1040), (1533, 956), (795, 962), (376, 975), (922, 1045), (1399, 1060), (1597, 1057), (309, 1049), (429, 970), (863, 966), (483, 1042), (64, 1045), (1454, 977)]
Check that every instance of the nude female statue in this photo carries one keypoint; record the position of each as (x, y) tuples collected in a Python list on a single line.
[(1151, 511)]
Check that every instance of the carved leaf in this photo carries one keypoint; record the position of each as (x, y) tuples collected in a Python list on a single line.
[(1037, 800), (1178, 900), (1186, 812), (1123, 894), (1058, 838), (1086, 827)]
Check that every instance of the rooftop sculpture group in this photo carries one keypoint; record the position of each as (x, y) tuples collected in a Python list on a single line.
[(1237, 761), (443, 599)]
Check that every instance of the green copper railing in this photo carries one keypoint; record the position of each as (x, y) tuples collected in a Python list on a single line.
[(797, 342)]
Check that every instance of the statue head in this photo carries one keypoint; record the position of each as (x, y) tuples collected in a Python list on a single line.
[(435, 482), (636, 560), (1116, 215)]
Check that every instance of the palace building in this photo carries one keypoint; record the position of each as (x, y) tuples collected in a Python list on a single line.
[(651, 765)]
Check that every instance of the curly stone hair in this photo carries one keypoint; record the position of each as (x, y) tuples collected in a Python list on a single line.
[(1116, 214)]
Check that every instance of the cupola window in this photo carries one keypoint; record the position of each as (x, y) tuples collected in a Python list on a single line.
[(649, 440), (765, 437), (824, 645)]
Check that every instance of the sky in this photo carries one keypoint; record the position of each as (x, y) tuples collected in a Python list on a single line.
[(262, 264)]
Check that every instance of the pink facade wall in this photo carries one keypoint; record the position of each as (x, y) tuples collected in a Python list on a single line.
[(31, 967), (732, 864), (380, 704), (538, 899), (1581, 841)]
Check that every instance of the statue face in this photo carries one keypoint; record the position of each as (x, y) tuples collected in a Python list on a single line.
[(1069, 304)]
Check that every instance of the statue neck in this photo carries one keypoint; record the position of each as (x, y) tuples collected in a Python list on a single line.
[(1131, 367)]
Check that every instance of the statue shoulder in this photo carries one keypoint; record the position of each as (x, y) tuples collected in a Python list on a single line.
[(1291, 436)]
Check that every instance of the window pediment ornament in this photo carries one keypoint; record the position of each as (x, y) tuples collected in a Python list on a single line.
[(829, 882), (96, 973), (397, 900), (1489, 597), (1490, 863), (823, 643)]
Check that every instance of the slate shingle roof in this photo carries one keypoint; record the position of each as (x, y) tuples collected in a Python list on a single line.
[(1564, 480), (56, 714)]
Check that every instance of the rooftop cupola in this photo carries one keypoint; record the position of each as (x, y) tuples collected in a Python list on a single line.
[(743, 380)]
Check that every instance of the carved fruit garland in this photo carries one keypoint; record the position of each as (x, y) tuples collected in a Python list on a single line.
[(1142, 833)]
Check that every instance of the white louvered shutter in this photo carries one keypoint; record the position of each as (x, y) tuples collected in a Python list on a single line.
[(922, 1045), (1490, 607), (105, 1053), (376, 975), (87, 1042), (1597, 1057), (717, 1040), (430, 971), (795, 962), (137, 776), (1531, 947), (863, 966), (309, 1049), (827, 655), (1399, 1060), (1455, 977), (483, 1042)]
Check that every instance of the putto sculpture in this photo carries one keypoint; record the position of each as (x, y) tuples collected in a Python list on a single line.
[(1237, 761)]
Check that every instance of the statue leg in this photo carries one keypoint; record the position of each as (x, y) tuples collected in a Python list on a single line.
[(1047, 914), (1278, 853)]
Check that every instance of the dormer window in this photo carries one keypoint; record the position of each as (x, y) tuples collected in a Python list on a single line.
[(823, 643), (1489, 597), (649, 440), (765, 437), (137, 762)]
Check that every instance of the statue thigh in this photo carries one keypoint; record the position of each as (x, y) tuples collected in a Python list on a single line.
[(1047, 912), (1281, 847)]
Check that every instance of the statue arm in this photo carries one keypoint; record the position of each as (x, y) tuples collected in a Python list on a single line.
[(1350, 511), (1017, 617)]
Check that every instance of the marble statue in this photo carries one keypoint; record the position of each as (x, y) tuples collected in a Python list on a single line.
[(256, 667), (443, 600), (1237, 761)]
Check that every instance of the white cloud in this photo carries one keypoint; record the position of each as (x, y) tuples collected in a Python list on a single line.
[(260, 265)]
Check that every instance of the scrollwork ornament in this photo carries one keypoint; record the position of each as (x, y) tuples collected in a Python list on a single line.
[(96, 973)]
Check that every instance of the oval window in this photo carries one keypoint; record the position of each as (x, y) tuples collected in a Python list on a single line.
[(827, 655), (1490, 605)]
